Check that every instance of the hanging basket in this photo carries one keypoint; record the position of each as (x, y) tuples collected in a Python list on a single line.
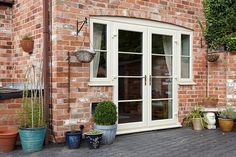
[(212, 57), (85, 55)]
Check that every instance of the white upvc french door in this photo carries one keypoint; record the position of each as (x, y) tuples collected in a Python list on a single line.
[(144, 77)]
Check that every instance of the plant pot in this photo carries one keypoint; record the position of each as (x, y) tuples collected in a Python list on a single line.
[(8, 136), (93, 141), (109, 132), (32, 139), (212, 57), (210, 103), (27, 45), (197, 123), (85, 55), (73, 139), (226, 125)]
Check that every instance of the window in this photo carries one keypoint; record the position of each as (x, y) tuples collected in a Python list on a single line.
[(186, 59)]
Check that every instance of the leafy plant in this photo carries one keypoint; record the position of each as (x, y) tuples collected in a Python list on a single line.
[(105, 113), (32, 113), (196, 113), (227, 113), (94, 132), (220, 23), (27, 37)]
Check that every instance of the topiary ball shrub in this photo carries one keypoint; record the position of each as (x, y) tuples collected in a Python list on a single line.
[(105, 113)]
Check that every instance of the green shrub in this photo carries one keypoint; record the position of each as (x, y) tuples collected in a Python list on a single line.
[(105, 113)]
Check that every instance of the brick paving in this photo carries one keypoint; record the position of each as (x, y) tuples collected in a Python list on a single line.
[(182, 142)]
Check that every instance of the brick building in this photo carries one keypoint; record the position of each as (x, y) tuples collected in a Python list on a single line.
[(150, 60)]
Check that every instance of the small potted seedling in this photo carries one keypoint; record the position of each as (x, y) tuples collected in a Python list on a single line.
[(93, 138), (27, 44)]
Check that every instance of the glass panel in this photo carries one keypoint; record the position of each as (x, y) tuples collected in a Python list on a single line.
[(185, 45), (130, 65), (161, 65), (185, 64), (161, 109), (100, 65), (130, 112), (130, 88), (99, 36), (161, 44), (161, 88), (130, 41)]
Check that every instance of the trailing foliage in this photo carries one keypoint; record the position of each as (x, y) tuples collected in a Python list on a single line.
[(220, 23), (105, 113)]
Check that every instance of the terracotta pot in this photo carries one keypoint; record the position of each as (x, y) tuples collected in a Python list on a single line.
[(210, 103), (27, 45), (8, 136), (226, 125), (197, 124)]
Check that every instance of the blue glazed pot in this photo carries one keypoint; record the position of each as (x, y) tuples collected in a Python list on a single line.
[(32, 139), (93, 141), (73, 139)]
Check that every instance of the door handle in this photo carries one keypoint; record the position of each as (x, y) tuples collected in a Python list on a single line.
[(145, 80)]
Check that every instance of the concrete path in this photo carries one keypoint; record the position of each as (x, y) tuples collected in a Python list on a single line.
[(182, 142)]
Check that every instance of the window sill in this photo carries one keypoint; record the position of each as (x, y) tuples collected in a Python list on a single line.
[(187, 83), (98, 84)]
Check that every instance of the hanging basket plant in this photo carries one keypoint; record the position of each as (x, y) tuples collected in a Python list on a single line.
[(212, 57), (27, 44), (85, 55)]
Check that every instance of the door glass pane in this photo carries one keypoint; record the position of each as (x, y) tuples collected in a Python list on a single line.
[(130, 65), (99, 36), (185, 45), (185, 64), (130, 112), (161, 65), (161, 109), (130, 41), (100, 65), (161, 44), (161, 88), (130, 88)]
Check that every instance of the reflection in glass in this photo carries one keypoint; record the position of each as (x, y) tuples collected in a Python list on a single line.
[(161, 109), (130, 88), (161, 88), (100, 68), (129, 112), (130, 65), (130, 41), (161, 65), (161, 44), (99, 36), (185, 64), (185, 45)]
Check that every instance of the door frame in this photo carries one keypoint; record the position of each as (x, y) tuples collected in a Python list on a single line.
[(147, 123)]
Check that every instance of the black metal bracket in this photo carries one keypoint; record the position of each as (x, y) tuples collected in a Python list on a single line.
[(78, 29)]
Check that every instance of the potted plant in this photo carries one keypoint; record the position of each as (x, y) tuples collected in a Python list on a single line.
[(105, 117), (27, 44), (93, 138), (195, 117), (8, 136), (226, 119), (210, 101), (32, 120), (73, 137)]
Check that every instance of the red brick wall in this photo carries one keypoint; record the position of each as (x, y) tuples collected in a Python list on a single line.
[(24, 18), (6, 46)]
